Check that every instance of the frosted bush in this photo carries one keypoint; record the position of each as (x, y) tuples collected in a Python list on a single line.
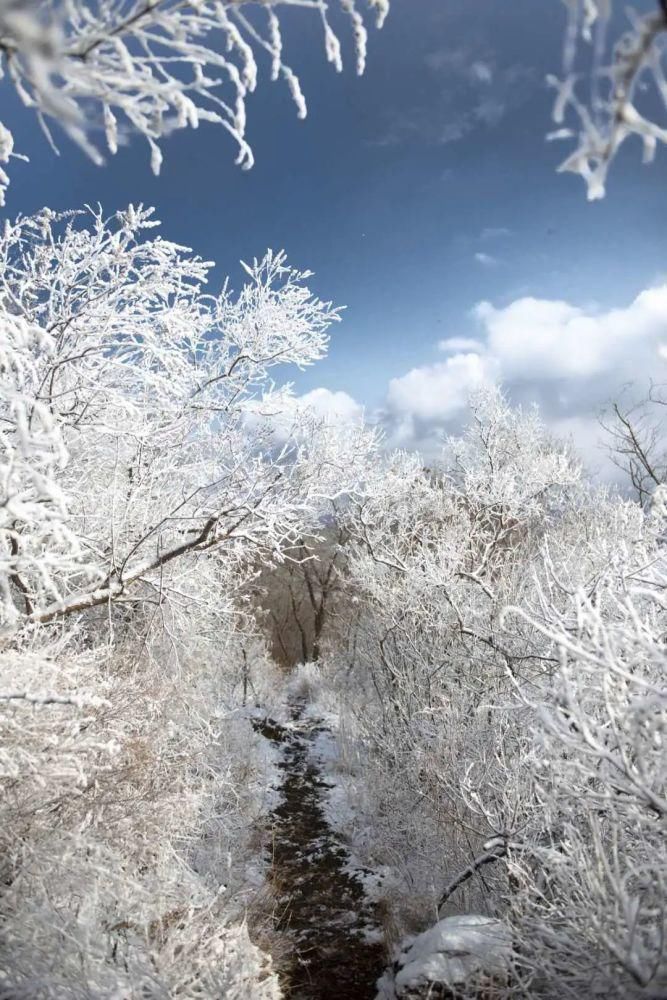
[(108, 804), (508, 687)]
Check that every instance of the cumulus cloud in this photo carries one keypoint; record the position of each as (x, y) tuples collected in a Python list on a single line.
[(424, 400), (278, 414), (541, 338), (570, 360), (337, 407), (437, 391)]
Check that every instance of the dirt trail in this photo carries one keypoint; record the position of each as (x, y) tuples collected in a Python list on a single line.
[(322, 907)]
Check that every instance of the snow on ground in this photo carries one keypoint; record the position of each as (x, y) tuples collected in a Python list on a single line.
[(344, 798), (321, 904), (457, 947), (451, 953)]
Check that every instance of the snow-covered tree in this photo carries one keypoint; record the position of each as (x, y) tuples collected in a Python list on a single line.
[(509, 667), (635, 435), (138, 500), (590, 876), (145, 381)]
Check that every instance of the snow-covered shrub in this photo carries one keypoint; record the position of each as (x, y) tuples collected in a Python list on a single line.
[(515, 758), (126, 817), (591, 877)]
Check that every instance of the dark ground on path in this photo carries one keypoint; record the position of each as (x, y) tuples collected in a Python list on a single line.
[(321, 906)]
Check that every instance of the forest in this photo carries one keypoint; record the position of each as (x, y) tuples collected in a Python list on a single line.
[(288, 710)]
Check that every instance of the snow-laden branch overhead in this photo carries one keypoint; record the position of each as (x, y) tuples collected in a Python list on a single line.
[(114, 68), (604, 102)]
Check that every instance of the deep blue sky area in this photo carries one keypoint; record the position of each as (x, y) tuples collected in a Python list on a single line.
[(392, 185)]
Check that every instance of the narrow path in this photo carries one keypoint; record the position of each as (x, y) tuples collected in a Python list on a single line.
[(322, 906)]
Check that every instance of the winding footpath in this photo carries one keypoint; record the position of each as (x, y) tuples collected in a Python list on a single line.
[(322, 906)]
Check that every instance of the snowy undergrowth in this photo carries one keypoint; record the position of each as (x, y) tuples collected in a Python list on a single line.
[(133, 820), (397, 838)]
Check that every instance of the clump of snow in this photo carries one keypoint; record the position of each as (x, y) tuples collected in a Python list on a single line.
[(454, 951)]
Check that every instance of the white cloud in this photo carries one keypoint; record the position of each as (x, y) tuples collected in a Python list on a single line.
[(455, 345), (481, 71), (584, 432), (419, 404), (490, 111), (452, 62), (542, 338), (458, 63), (486, 259), (568, 359), (462, 102), (437, 391), (278, 414), (338, 407)]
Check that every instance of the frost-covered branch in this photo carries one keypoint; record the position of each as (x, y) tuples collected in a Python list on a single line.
[(48, 698), (635, 435), (509, 656), (153, 66), (611, 115), (142, 487)]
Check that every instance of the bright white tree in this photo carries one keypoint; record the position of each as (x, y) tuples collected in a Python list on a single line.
[(137, 501), (591, 879), (122, 361), (510, 668)]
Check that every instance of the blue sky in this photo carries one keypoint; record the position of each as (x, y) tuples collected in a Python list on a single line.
[(414, 192)]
